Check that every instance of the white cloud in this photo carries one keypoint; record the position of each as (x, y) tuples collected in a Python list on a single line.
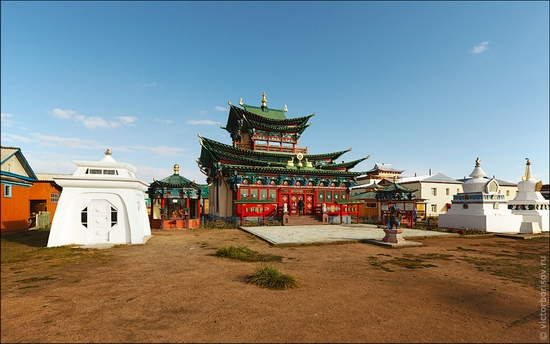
[(63, 114), (161, 150), (15, 138), (126, 120), (481, 47), (203, 122), (6, 121), (93, 122), (220, 108), (166, 121), (99, 122), (67, 142), (146, 85)]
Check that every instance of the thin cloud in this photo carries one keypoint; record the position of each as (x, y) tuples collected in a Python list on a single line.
[(147, 85), (92, 122), (67, 142), (6, 121), (220, 108), (15, 138), (126, 120), (160, 150), (203, 122), (166, 121), (479, 48)]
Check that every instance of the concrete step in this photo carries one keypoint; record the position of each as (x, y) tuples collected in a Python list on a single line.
[(304, 220)]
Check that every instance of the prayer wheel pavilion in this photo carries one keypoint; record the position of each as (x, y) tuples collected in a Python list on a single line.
[(175, 202), (264, 172)]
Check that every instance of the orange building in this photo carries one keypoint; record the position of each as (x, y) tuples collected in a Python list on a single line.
[(16, 177), (44, 195)]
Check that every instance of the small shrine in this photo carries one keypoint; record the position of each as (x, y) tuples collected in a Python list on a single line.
[(101, 203), (480, 206), (175, 202), (530, 204), (397, 201)]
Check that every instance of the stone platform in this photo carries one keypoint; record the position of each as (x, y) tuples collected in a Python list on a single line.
[(326, 234)]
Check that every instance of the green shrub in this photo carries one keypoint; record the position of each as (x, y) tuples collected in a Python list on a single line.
[(246, 254), (267, 276)]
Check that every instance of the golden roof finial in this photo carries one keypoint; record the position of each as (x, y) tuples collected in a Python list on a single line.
[(108, 152), (241, 101), (285, 109), (264, 100), (176, 169), (478, 162)]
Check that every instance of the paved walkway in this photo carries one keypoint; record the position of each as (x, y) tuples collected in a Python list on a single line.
[(295, 235)]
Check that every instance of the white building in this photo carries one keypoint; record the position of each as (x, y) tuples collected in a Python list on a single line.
[(530, 205), (102, 202), (480, 206), (436, 190)]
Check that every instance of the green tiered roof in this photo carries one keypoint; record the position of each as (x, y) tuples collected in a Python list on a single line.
[(230, 160), (175, 181), (216, 151)]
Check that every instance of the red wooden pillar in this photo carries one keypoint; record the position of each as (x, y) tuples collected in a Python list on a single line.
[(187, 215)]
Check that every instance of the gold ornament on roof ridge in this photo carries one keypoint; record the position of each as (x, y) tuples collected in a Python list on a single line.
[(108, 152)]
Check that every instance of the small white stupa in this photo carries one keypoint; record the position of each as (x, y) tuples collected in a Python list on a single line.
[(101, 203), (530, 204), (480, 206)]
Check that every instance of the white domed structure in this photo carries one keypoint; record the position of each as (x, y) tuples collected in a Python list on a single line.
[(530, 204), (480, 206), (101, 203)]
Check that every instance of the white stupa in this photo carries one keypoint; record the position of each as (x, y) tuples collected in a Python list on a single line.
[(480, 206), (101, 203), (530, 204)]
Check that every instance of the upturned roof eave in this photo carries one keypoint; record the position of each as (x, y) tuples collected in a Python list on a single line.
[(283, 170), (215, 145)]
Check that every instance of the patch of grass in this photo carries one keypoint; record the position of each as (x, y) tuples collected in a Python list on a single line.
[(36, 279), (246, 254), (411, 263), (436, 256), (267, 276), (373, 261), (510, 269)]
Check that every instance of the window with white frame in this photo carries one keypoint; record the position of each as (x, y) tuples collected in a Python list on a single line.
[(434, 191)]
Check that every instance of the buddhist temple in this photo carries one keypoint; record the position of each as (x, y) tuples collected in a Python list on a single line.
[(175, 202), (530, 205), (264, 172), (480, 206)]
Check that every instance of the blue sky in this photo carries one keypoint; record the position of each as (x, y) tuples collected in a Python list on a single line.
[(419, 85)]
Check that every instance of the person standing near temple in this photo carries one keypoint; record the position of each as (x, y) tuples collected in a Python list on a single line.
[(300, 206)]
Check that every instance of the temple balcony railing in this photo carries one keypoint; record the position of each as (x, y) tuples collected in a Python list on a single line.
[(278, 148)]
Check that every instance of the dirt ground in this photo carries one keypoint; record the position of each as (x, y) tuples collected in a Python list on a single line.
[(173, 289)]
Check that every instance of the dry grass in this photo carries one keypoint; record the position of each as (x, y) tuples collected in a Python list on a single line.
[(267, 276), (246, 254), (26, 254)]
